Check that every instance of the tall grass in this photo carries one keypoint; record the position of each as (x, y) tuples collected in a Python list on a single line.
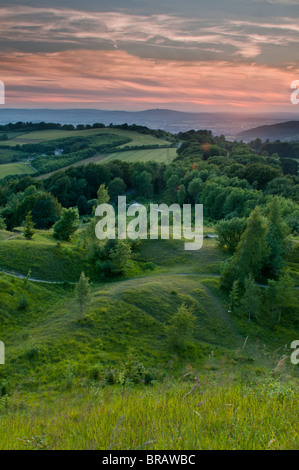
[(162, 417)]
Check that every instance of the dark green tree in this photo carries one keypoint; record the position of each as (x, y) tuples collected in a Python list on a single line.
[(229, 233), (116, 188), (142, 183), (251, 253), (277, 240), (2, 224), (67, 225), (29, 227), (281, 295), (234, 296), (120, 256), (182, 193), (250, 302), (83, 293), (181, 326)]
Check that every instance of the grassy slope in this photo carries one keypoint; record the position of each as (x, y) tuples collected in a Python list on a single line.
[(55, 355), (4, 235), (50, 349), (133, 310), (43, 257), (15, 169)]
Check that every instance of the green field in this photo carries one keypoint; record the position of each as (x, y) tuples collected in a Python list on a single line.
[(166, 155), (15, 169), (163, 155), (41, 136), (11, 155)]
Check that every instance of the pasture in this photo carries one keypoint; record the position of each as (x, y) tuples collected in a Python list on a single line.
[(42, 136), (164, 155), (15, 169)]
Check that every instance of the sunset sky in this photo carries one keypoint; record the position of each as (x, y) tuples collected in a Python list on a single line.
[(188, 55)]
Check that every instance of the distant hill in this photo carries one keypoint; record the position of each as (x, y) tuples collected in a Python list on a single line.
[(283, 131), (228, 124)]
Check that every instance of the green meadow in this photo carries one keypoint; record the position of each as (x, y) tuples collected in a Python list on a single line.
[(166, 155), (15, 169), (11, 155)]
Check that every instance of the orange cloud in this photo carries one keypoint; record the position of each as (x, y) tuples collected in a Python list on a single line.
[(116, 79)]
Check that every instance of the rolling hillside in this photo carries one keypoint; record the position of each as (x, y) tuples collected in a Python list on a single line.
[(287, 131)]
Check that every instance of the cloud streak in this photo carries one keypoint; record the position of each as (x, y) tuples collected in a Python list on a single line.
[(113, 79), (81, 29)]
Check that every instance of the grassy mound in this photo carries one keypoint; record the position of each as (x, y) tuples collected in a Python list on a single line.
[(43, 257)]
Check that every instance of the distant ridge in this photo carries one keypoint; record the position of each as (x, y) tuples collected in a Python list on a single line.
[(282, 131), (228, 124)]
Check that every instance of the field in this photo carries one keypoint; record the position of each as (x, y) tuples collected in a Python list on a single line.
[(163, 155), (11, 155), (15, 169), (42, 136), (166, 155)]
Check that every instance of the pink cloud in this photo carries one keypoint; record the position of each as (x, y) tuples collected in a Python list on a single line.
[(114, 79)]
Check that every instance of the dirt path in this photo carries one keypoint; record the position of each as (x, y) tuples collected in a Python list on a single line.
[(206, 275), (22, 276)]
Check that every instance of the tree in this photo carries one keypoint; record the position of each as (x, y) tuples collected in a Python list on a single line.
[(181, 327), (29, 227), (234, 296), (259, 173), (83, 292), (250, 302), (44, 207), (67, 225), (103, 195), (229, 232), (142, 183), (194, 188), (277, 239), (82, 204), (171, 188), (182, 193), (280, 295), (120, 256), (289, 166), (116, 188), (251, 252), (2, 223)]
